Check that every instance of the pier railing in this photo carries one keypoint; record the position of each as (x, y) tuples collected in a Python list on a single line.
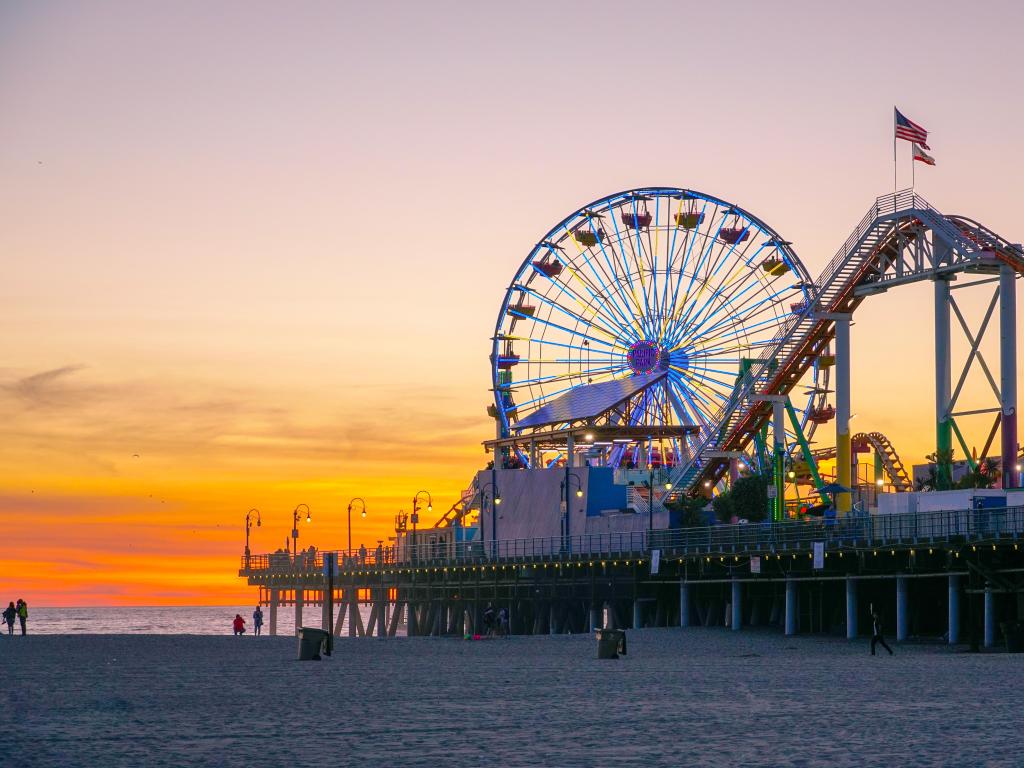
[(983, 525)]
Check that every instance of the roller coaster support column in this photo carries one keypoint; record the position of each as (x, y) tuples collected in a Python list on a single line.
[(943, 386), (844, 458), (779, 403), (779, 458), (1008, 374)]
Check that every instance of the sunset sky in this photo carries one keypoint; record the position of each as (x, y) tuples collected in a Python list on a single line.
[(252, 252)]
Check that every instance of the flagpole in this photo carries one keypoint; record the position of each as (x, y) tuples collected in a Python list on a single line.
[(895, 182), (913, 172)]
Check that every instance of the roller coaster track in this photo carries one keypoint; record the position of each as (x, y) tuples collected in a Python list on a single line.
[(901, 239), (459, 509), (881, 445)]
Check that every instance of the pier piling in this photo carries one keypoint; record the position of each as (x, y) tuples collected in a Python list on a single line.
[(954, 609), (737, 605), (851, 608), (791, 617), (902, 625)]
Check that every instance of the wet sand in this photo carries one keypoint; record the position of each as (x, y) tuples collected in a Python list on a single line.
[(680, 697)]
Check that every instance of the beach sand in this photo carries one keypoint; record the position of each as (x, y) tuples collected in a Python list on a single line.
[(680, 697)]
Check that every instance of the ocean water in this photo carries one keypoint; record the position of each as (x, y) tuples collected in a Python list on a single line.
[(164, 620)]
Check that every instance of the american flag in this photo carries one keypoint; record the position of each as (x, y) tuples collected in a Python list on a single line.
[(910, 131)]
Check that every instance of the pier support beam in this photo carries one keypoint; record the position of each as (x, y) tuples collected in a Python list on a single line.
[(299, 594), (684, 604), (791, 622), (851, 608), (352, 593), (844, 461), (1008, 375), (275, 599), (552, 618), (737, 605), (382, 617), (954, 610), (990, 618), (636, 614), (595, 617), (902, 622)]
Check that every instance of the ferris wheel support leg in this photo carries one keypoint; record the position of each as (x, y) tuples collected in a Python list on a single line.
[(943, 386), (844, 462), (1008, 375)]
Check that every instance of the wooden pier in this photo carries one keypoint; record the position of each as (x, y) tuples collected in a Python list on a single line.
[(955, 575)]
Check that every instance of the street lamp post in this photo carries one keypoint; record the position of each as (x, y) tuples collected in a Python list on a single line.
[(295, 527), (248, 527), (566, 486), (353, 501), (415, 517)]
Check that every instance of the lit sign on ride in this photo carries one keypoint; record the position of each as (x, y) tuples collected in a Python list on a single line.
[(646, 357)]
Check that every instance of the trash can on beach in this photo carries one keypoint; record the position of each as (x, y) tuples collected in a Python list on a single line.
[(1013, 633), (610, 643), (310, 642)]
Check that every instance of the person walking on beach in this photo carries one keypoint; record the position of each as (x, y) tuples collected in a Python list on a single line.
[(489, 620), (22, 609), (239, 624), (876, 632), (9, 613), (503, 621), (257, 620)]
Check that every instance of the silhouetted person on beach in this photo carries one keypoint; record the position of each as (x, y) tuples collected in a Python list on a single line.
[(22, 609), (239, 624), (876, 633), (9, 613), (489, 620), (503, 621), (257, 620)]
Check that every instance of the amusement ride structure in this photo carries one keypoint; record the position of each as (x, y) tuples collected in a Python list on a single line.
[(663, 327), (656, 344)]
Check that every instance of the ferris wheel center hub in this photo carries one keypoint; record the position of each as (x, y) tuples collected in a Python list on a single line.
[(647, 357)]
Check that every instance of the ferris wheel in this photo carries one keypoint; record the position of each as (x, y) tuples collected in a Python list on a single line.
[(648, 281)]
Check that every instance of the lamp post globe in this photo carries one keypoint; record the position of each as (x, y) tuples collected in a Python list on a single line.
[(248, 527), (362, 503), (415, 517), (295, 526)]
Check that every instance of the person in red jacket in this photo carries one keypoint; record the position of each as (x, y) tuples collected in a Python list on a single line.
[(239, 624)]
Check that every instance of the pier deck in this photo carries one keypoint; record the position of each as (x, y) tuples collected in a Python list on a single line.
[(796, 575)]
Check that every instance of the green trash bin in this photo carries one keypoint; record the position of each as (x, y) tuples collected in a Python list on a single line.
[(610, 643), (1013, 633), (311, 640)]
